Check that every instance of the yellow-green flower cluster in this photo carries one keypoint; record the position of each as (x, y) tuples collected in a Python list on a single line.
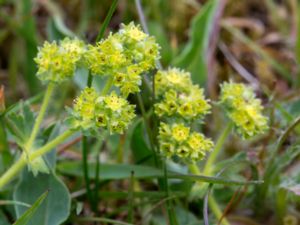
[(179, 103), (57, 61), (124, 55), (177, 139), (174, 79), (243, 108), (178, 96), (110, 112)]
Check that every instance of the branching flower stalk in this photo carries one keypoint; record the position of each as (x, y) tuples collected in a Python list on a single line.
[(28, 145), (122, 57), (16, 168)]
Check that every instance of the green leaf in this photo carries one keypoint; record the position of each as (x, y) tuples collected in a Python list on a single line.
[(109, 171), (141, 153), (20, 124), (193, 57), (215, 180), (28, 215), (55, 209), (17, 106), (123, 171)]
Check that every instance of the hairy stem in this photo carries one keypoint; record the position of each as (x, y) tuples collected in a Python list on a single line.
[(22, 161), (40, 117), (219, 145)]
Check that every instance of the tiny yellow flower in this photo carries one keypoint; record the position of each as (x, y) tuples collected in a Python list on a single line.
[(180, 132), (133, 32), (114, 102), (85, 103)]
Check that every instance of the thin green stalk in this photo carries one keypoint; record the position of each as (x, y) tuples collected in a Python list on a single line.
[(40, 117), (219, 145), (85, 156), (22, 161), (52, 144), (106, 89), (13, 171), (108, 85), (216, 210), (131, 199), (169, 205), (97, 172), (148, 130), (194, 169), (90, 79), (102, 31), (85, 147), (207, 171), (108, 17)]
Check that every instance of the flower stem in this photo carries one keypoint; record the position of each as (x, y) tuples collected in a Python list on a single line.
[(219, 145), (108, 85), (207, 171), (216, 210), (12, 171), (40, 117), (169, 205), (148, 129), (22, 161), (52, 144)]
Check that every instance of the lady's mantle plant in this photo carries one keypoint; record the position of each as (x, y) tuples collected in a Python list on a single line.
[(180, 103), (122, 58)]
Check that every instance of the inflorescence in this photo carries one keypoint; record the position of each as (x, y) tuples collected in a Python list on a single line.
[(243, 108), (122, 57), (179, 103), (111, 112), (57, 62)]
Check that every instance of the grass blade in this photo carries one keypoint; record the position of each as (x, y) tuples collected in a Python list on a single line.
[(214, 180), (24, 219), (106, 21), (123, 171)]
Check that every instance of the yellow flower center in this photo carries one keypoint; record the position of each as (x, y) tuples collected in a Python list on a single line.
[(180, 132)]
